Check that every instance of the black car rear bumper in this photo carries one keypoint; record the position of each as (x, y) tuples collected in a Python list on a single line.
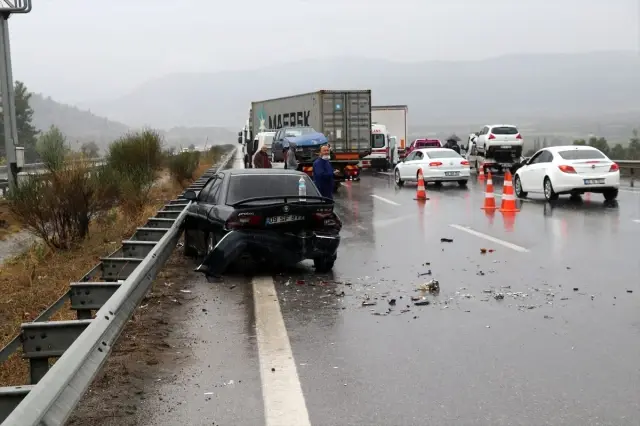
[(275, 247)]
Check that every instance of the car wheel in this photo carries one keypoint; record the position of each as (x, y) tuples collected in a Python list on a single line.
[(463, 183), (549, 193), (438, 184), (323, 264), (396, 175), (517, 185), (610, 194)]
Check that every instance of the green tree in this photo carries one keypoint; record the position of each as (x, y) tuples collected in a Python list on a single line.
[(192, 147), (579, 142), (601, 144), (633, 150), (27, 133), (52, 148), (90, 149), (618, 152)]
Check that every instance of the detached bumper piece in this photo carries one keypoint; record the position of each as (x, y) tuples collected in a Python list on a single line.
[(281, 248)]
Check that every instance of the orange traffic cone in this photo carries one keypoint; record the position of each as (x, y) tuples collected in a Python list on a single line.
[(481, 172), (489, 198), (508, 197), (421, 193)]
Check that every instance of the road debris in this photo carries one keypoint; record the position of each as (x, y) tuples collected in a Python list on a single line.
[(392, 302), (369, 303), (498, 296), (446, 240), (424, 273), (422, 302)]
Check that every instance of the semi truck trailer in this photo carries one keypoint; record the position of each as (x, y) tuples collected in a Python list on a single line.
[(343, 116)]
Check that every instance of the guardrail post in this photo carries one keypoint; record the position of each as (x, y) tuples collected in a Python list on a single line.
[(632, 176)]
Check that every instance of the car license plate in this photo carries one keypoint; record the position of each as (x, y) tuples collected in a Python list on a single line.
[(594, 181), (452, 173), (284, 219), (505, 146)]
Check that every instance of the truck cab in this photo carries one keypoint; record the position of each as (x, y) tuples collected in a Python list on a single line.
[(381, 154)]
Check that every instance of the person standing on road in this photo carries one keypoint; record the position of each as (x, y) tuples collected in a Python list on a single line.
[(323, 173), (290, 161), (261, 160)]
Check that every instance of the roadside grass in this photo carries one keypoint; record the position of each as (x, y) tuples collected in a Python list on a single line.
[(32, 281), (8, 223)]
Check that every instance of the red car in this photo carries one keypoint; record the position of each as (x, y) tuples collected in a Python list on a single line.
[(423, 143)]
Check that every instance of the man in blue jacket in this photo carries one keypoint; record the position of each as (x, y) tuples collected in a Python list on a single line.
[(323, 173)]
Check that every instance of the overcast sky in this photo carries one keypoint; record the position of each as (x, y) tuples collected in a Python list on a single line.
[(75, 50)]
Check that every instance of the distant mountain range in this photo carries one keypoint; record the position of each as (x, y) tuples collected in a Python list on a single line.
[(84, 126), (513, 88)]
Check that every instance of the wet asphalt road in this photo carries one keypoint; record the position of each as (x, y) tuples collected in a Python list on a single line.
[(561, 348)]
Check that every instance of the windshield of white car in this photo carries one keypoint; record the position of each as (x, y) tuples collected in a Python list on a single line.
[(443, 154), (581, 154), (504, 130), (377, 140), (246, 186)]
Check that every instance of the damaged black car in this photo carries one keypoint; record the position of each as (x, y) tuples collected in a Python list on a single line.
[(261, 214)]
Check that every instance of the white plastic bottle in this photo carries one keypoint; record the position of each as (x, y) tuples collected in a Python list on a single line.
[(302, 189)]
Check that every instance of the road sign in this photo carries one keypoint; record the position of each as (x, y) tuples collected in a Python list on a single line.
[(15, 6)]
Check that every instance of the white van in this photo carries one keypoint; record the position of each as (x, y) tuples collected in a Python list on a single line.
[(263, 138)]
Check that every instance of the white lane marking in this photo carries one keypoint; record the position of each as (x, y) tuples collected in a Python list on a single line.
[(377, 197), (386, 173), (636, 220), (490, 238), (284, 403), (631, 191)]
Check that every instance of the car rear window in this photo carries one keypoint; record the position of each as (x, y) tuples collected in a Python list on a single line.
[(504, 130), (581, 154), (443, 154), (246, 186)]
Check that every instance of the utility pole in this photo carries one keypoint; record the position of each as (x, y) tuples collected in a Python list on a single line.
[(7, 7)]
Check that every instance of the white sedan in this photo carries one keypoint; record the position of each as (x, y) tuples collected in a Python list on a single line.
[(573, 169), (437, 164)]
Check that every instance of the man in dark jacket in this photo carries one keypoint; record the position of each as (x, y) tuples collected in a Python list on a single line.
[(261, 160), (323, 173)]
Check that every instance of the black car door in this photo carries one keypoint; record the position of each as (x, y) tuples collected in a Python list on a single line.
[(211, 208)]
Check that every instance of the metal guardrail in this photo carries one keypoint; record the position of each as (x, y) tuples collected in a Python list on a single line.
[(113, 288), (36, 169), (32, 167), (630, 169)]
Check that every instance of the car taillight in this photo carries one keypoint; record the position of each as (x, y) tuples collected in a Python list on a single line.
[(491, 136), (239, 221), (435, 164), (567, 169), (614, 168), (464, 163), (518, 136), (327, 220)]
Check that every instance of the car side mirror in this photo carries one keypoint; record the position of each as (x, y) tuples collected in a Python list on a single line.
[(190, 195)]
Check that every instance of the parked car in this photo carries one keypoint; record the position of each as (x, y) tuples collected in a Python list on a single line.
[(437, 164), (572, 169), (259, 213)]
